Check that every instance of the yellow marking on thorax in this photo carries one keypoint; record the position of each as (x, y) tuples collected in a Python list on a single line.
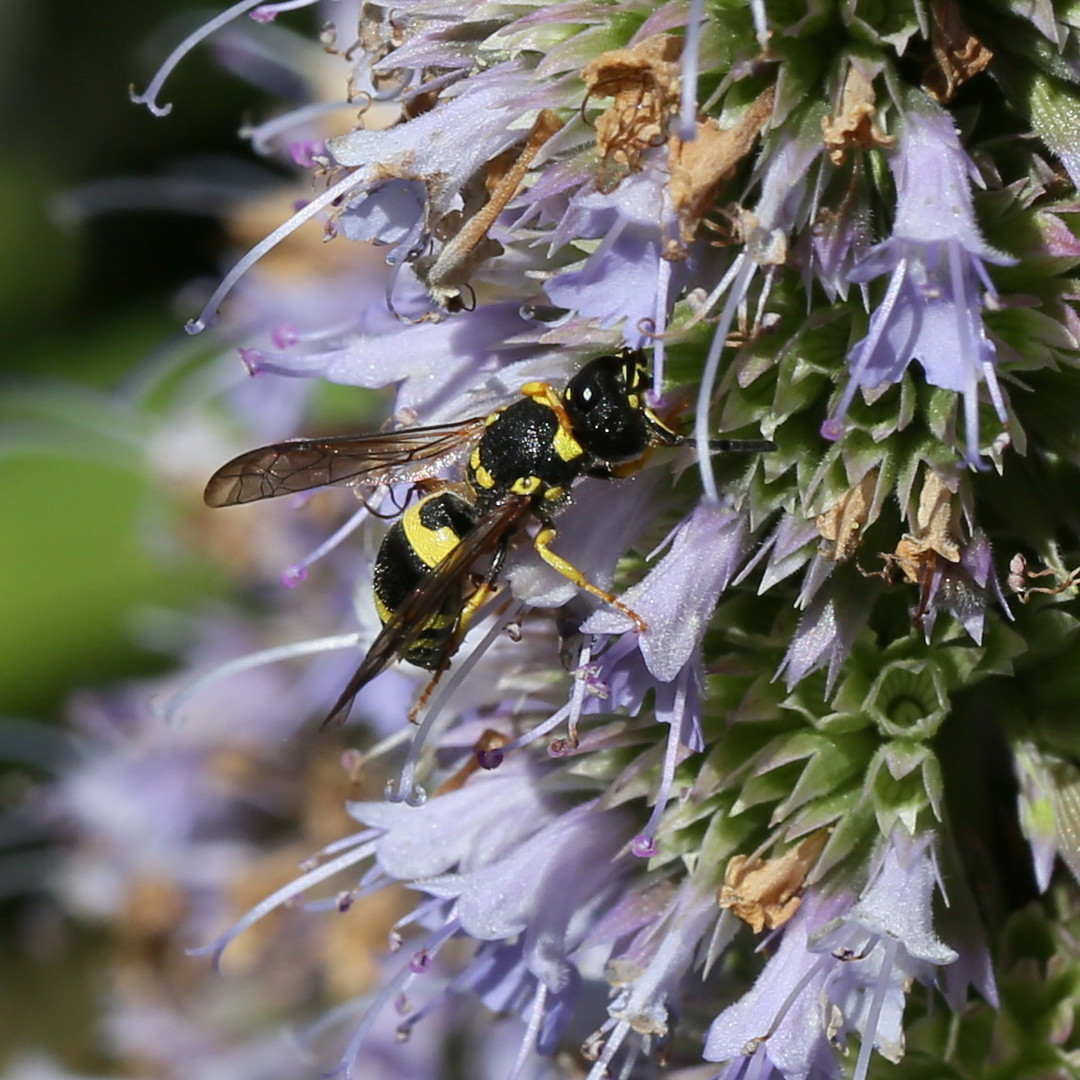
[(554, 494), (566, 446), (538, 391), (431, 545), (482, 476), (654, 419), (526, 485)]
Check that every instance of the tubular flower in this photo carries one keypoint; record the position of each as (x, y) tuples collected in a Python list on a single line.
[(842, 967), (938, 282), (687, 717)]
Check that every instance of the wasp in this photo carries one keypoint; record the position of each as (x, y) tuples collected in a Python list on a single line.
[(519, 461)]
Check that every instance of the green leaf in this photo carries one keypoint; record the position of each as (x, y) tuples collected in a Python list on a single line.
[(1054, 109)]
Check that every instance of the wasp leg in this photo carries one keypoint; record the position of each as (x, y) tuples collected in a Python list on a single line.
[(475, 602), (545, 394), (542, 543), (423, 699), (625, 469)]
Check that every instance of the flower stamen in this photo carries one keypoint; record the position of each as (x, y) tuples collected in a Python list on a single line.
[(149, 96), (644, 844), (171, 706), (890, 946), (296, 573), (282, 896), (742, 270), (532, 1031), (688, 71), (268, 243)]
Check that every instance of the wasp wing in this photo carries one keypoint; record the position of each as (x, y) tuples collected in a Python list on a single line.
[(409, 621), (300, 464)]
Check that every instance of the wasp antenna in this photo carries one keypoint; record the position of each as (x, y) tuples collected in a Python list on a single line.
[(742, 446)]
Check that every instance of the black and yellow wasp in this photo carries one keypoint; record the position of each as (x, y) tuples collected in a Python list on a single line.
[(520, 460)]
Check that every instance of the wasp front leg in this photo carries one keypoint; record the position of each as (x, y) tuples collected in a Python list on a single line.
[(623, 470), (544, 538)]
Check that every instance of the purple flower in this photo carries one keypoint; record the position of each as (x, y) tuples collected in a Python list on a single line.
[(677, 597), (931, 311), (634, 224), (841, 967), (463, 830), (780, 1023), (409, 176), (538, 885), (883, 943), (838, 241), (827, 629), (448, 359), (648, 973), (513, 870), (963, 589)]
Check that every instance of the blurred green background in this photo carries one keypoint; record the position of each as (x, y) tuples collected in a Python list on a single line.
[(87, 304), (81, 309)]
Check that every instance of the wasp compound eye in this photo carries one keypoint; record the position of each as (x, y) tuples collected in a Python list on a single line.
[(606, 415)]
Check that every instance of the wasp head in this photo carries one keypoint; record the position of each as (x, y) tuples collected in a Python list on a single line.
[(605, 401)]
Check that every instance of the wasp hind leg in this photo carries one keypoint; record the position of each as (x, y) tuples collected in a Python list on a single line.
[(474, 603), (544, 538)]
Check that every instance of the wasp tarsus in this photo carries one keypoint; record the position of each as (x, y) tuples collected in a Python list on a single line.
[(439, 562)]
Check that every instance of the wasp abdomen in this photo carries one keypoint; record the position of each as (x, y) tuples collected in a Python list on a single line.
[(416, 543)]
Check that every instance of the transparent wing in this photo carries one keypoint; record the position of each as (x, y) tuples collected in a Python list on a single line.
[(408, 622), (300, 464)]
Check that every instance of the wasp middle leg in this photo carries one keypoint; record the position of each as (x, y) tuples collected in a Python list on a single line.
[(544, 538)]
